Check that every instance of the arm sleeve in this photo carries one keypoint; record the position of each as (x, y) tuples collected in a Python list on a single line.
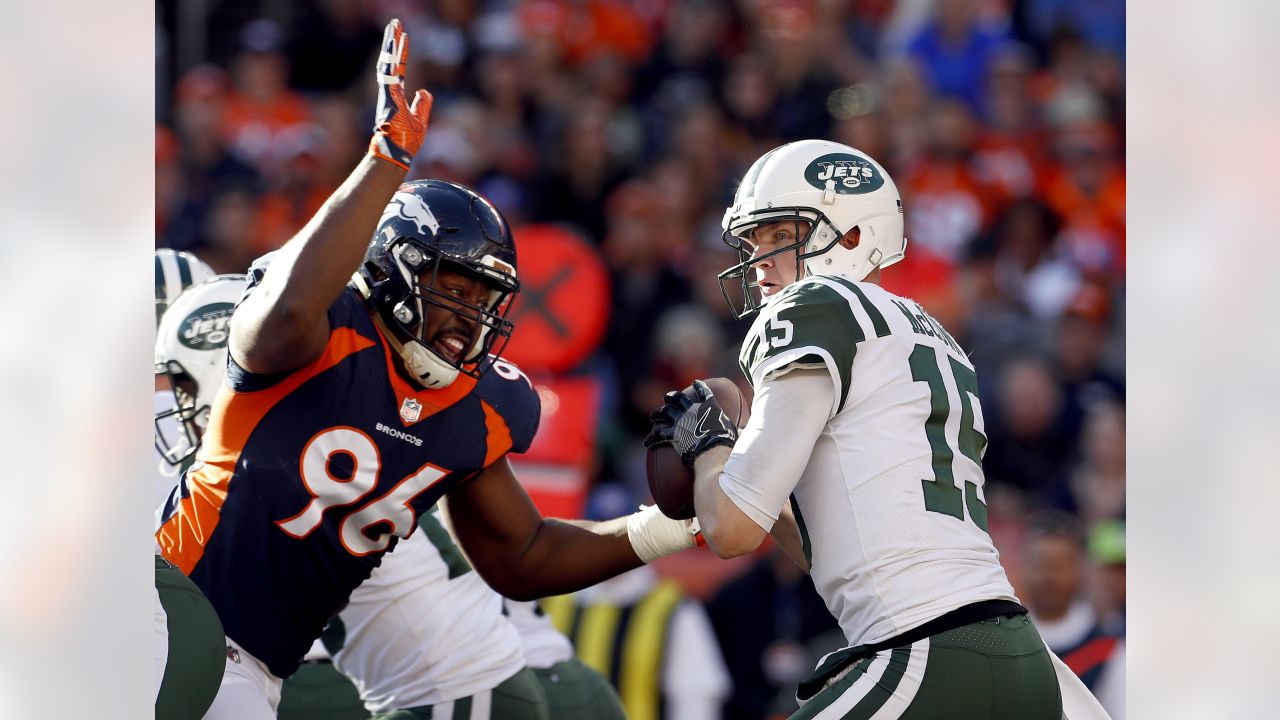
[(787, 416)]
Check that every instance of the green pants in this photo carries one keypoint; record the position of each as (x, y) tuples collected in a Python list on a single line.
[(317, 691), (996, 669), (519, 697), (197, 649), (576, 691)]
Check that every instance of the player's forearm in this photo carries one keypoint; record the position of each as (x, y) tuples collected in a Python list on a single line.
[(283, 324), (725, 528), (569, 555), (525, 556)]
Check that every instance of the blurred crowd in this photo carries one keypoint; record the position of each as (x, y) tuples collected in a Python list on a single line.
[(631, 122)]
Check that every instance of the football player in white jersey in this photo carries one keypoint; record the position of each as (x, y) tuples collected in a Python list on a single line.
[(573, 689), (424, 636), (866, 425), (425, 631), (190, 352)]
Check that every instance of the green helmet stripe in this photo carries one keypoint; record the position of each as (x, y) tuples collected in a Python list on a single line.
[(184, 272), (750, 180)]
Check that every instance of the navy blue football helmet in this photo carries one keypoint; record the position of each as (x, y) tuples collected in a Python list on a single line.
[(427, 226)]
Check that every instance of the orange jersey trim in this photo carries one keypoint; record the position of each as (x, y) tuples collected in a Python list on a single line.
[(499, 436), (184, 536), (432, 401)]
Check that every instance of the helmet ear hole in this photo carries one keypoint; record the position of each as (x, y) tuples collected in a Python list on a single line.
[(851, 238)]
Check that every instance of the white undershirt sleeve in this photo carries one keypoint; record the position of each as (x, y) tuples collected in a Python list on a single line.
[(787, 416)]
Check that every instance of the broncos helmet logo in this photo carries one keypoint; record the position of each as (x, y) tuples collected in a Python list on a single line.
[(409, 206)]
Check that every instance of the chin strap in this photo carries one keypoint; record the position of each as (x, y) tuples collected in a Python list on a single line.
[(423, 364), (428, 370)]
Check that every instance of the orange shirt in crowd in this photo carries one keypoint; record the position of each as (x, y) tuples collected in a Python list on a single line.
[(588, 29), (1011, 163), (281, 216), (252, 128), (947, 206), (1093, 224)]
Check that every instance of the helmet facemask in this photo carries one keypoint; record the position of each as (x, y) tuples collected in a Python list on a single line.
[(420, 269), (738, 237), (178, 430)]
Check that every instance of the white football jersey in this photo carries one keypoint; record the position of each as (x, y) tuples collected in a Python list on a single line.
[(890, 502), (544, 645), (424, 628)]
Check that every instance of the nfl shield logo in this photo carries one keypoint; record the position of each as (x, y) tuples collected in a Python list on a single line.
[(410, 410)]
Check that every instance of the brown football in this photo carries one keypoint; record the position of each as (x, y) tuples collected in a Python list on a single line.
[(670, 480)]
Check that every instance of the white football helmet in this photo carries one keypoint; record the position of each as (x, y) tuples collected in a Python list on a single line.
[(834, 188), (176, 271), (191, 349)]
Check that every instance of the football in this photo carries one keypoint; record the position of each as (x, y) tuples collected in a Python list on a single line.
[(670, 481)]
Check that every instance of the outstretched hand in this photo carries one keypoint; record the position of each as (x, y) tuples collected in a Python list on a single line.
[(400, 128)]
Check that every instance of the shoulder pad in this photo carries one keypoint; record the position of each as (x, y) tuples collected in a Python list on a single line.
[(511, 394), (811, 324), (257, 270)]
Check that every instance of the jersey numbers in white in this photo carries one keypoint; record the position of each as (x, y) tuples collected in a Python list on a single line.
[(507, 371), (392, 508), (785, 330), (941, 494)]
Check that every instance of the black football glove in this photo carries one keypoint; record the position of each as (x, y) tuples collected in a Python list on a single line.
[(692, 422)]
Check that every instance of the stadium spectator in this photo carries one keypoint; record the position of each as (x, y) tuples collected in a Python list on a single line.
[(1028, 447), (955, 48), (261, 107), (331, 45), (1097, 484), (1054, 591)]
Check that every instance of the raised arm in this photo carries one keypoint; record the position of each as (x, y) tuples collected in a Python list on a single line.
[(283, 324), (525, 556)]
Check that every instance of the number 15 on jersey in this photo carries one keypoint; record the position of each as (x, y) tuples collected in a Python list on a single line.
[(941, 495)]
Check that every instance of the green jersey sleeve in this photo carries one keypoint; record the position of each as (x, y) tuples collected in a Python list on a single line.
[(811, 325)]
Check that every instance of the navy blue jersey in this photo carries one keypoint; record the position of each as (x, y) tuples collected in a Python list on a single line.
[(306, 478)]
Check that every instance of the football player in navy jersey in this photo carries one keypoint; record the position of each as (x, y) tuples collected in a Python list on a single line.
[(353, 402)]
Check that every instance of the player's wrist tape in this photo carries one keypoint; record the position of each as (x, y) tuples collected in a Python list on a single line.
[(654, 535)]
